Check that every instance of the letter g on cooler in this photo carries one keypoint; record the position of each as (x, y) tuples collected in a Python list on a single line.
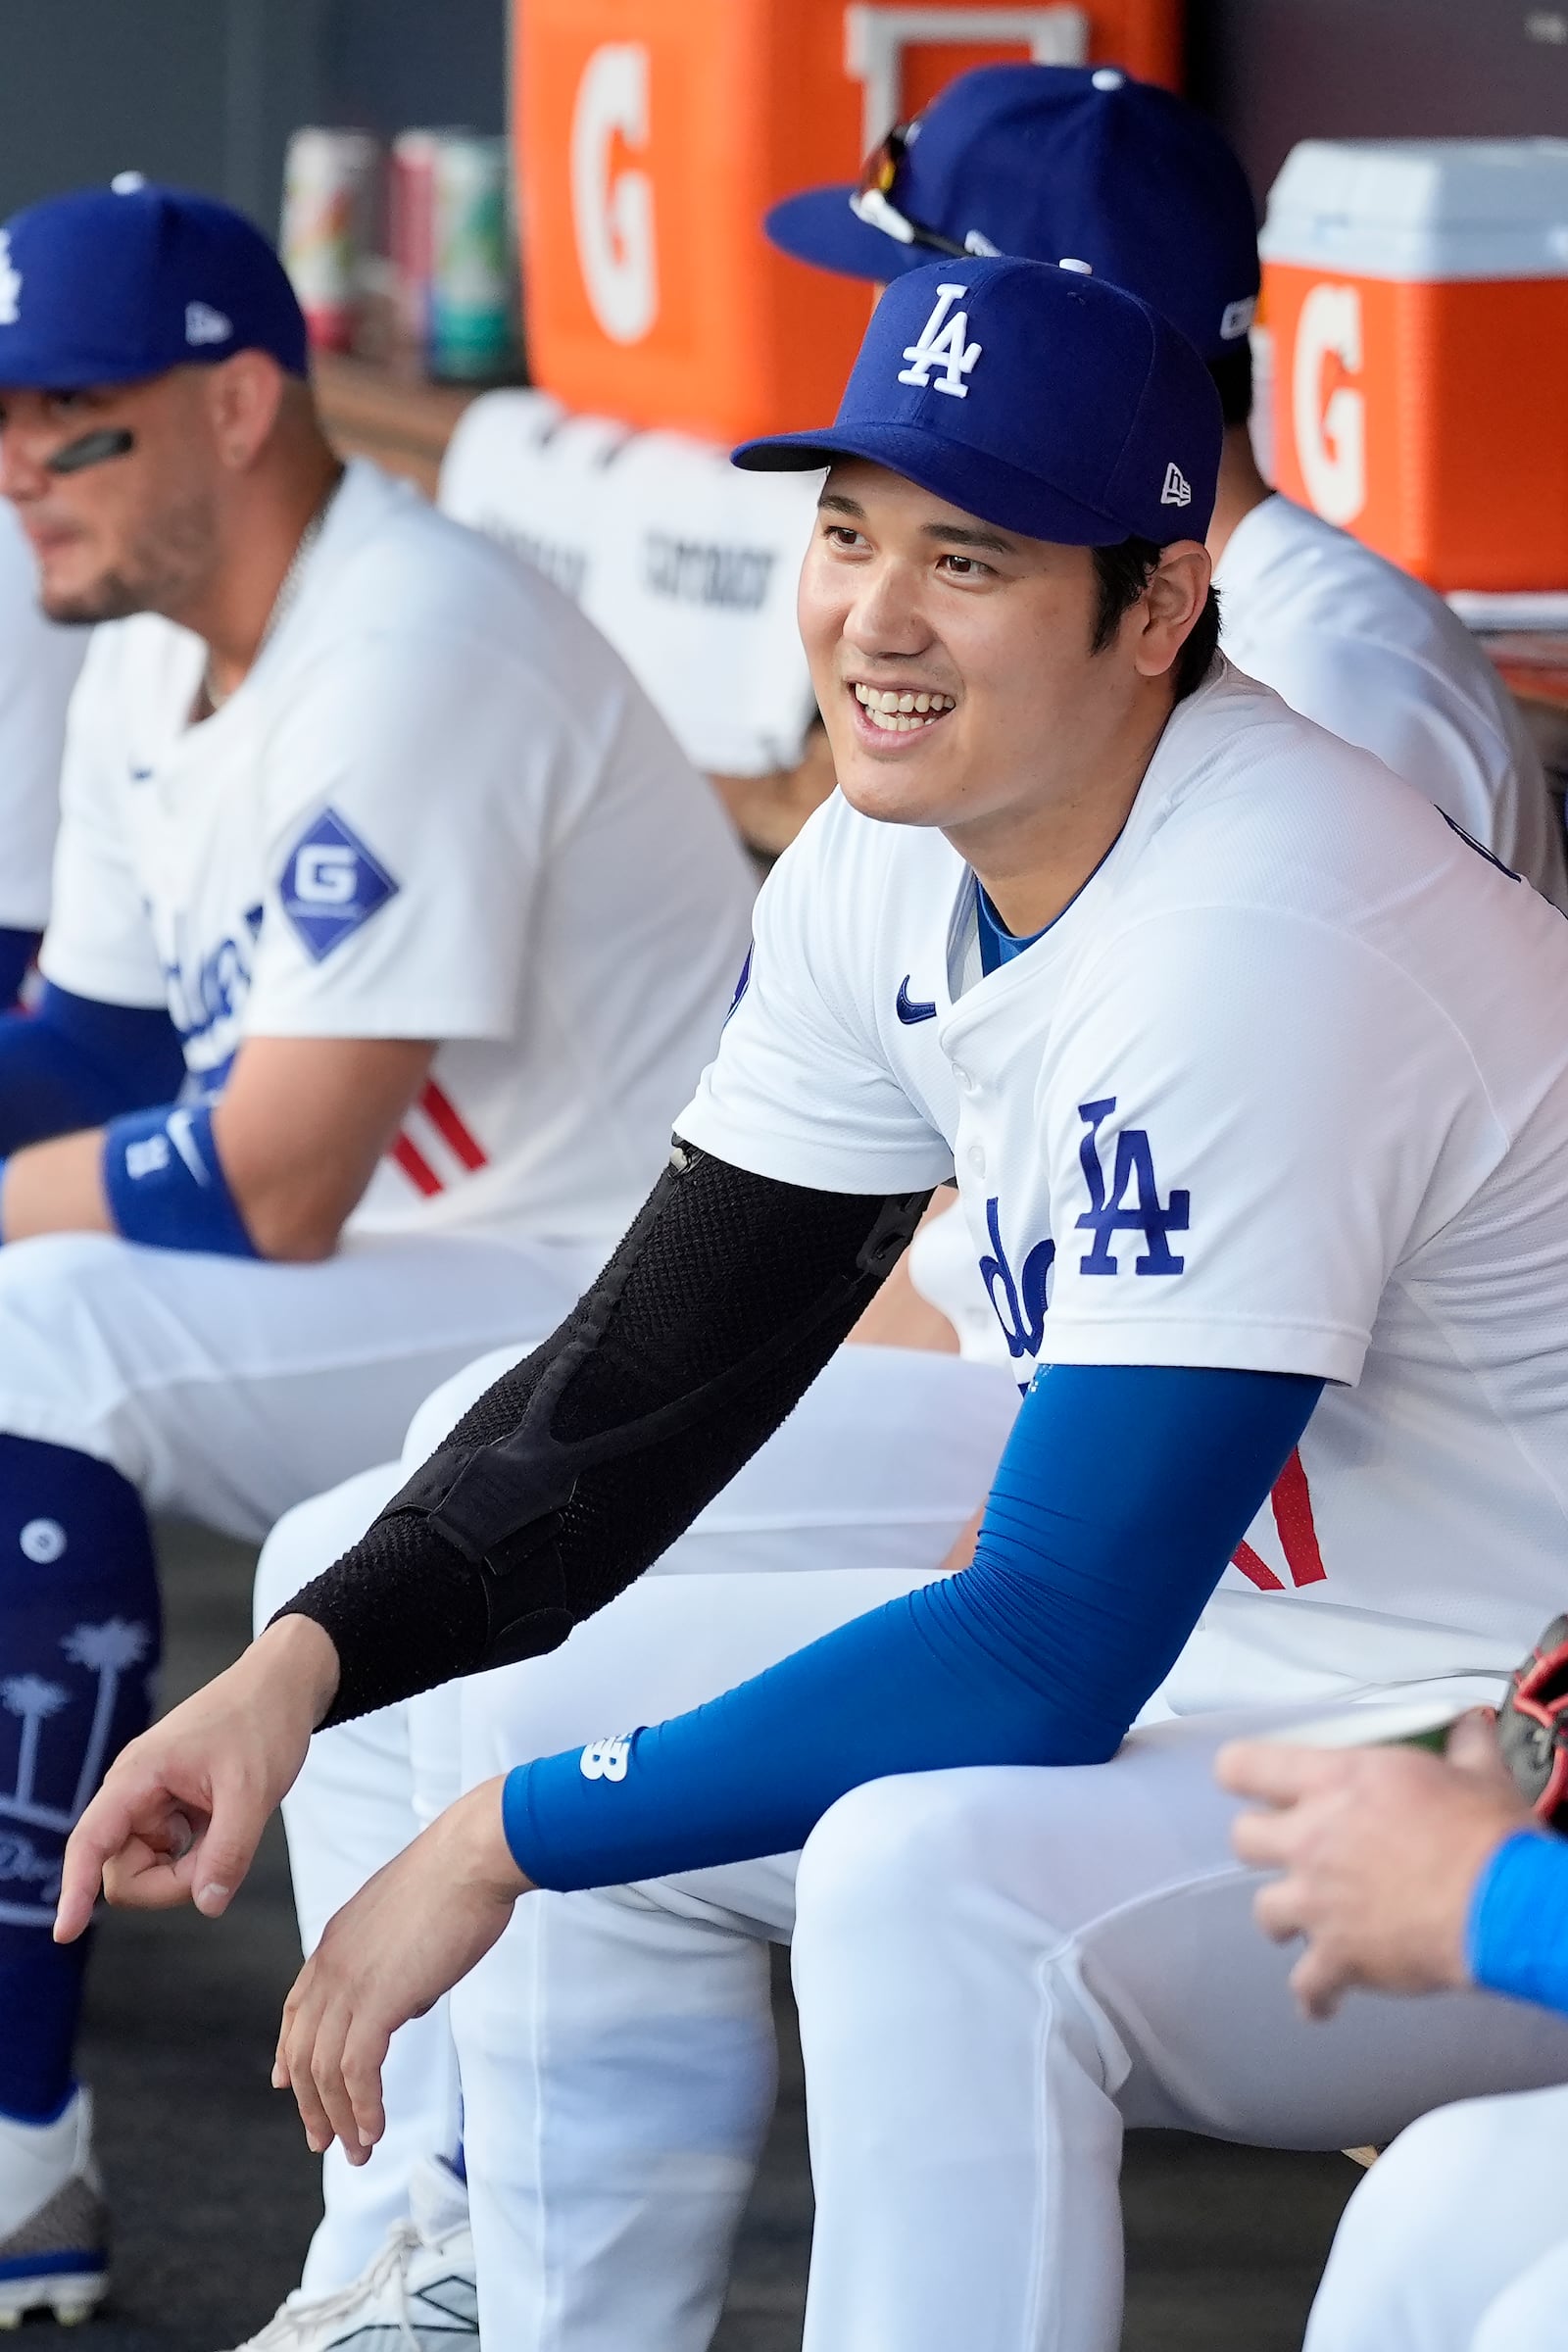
[(613, 211), (1331, 434)]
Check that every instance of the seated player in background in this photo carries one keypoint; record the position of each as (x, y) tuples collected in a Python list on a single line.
[(1102, 173), (38, 665), (1225, 1034), (1410, 1874), (363, 821)]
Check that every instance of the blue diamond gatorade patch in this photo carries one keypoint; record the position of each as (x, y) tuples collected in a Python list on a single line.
[(332, 884)]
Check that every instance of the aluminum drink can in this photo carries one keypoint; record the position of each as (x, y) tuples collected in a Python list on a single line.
[(328, 182), (410, 230), (471, 287)]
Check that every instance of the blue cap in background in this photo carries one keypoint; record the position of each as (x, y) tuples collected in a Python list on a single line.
[(1038, 399), (1082, 164), (111, 285)]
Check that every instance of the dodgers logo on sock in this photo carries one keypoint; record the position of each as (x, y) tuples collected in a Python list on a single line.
[(53, 1775), (332, 884)]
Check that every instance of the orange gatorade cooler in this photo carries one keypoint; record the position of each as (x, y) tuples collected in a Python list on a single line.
[(1416, 292), (654, 135)]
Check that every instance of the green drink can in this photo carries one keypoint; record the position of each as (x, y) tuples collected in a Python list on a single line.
[(471, 303)]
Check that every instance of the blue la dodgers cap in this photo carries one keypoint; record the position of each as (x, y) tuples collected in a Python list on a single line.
[(1084, 166), (111, 285), (1040, 400)]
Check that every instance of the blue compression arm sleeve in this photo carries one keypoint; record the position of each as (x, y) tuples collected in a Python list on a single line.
[(1517, 1936), (17, 951), (75, 1062), (1121, 1496)]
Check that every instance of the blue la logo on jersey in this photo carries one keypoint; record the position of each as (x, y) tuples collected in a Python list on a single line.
[(1132, 1203), (332, 884), (1020, 1303)]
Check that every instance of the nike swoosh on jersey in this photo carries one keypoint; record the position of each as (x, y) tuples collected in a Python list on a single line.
[(910, 1009)]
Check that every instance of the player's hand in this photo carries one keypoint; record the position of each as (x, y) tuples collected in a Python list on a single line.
[(181, 1809), (407, 1938), (1379, 1850)]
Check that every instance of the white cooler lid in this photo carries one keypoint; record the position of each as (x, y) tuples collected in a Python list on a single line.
[(1422, 210)]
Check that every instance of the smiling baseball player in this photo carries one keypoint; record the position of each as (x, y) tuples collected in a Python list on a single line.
[(1227, 1037), (1104, 173), (443, 924)]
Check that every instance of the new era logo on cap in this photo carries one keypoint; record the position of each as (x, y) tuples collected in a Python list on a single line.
[(204, 325), (1178, 490), (944, 344), (10, 284)]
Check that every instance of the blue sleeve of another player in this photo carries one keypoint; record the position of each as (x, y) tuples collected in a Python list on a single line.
[(1121, 1496), (1516, 1939), (75, 1062)]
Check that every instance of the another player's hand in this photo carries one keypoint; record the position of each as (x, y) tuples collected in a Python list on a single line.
[(181, 1809), (1379, 1850), (407, 1938)]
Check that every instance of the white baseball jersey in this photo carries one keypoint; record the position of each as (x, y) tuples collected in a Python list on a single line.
[(38, 666), (437, 807), (1285, 1088), (1356, 643)]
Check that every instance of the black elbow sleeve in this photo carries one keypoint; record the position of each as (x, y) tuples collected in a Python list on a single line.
[(586, 1461)]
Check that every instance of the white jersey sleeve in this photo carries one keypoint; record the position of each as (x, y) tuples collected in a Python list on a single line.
[(1250, 1119), (380, 918), (99, 941), (1358, 646), (800, 1089), (39, 664), (1390, 703)]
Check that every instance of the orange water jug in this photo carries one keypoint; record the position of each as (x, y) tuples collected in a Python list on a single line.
[(1416, 291), (654, 135)]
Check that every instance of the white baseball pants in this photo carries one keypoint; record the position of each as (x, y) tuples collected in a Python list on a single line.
[(1457, 2238), (228, 1389), (997, 1971), (858, 1496)]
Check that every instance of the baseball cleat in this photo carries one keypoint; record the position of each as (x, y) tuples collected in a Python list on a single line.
[(417, 2295), (54, 2253)]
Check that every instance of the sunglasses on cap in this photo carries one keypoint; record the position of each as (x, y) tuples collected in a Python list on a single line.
[(873, 201)]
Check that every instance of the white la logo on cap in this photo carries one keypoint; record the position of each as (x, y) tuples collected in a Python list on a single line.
[(942, 345), (1178, 491), (10, 284), (204, 325)]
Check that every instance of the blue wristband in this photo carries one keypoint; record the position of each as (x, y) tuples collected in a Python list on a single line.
[(1516, 1937), (164, 1183)]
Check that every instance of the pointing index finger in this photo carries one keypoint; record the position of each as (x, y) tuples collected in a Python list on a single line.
[(101, 1831)]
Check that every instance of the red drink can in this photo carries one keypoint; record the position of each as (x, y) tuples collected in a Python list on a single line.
[(410, 230)]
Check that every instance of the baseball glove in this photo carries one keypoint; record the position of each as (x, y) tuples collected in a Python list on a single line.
[(1533, 1726)]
